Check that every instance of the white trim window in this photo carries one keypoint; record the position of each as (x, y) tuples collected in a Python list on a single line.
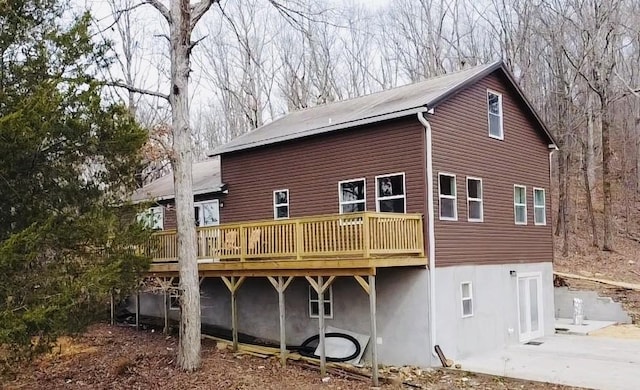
[(447, 193), (390, 193), (494, 112), (352, 195), (206, 213), (539, 207), (153, 218), (314, 303), (280, 204), (475, 212), (520, 204), (466, 293)]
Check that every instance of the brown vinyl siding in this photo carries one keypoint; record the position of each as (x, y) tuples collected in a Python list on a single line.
[(462, 146), (311, 168)]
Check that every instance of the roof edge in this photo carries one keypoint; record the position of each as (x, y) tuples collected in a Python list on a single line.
[(319, 130)]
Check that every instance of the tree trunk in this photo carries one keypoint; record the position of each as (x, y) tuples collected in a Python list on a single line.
[(587, 191), (606, 177), (180, 39), (563, 201)]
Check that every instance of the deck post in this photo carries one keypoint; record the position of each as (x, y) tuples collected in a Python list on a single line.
[(234, 315), (299, 240), (112, 307), (138, 310), (366, 236), (166, 311), (321, 341), (281, 308), (374, 338)]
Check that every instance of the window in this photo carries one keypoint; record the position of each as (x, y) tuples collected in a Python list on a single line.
[(314, 303), (539, 209), (280, 204), (474, 199), (447, 188), (494, 108), (206, 213), (352, 196), (390, 193), (520, 204), (153, 218), (466, 291)]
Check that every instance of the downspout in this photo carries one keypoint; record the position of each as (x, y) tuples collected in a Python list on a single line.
[(431, 232)]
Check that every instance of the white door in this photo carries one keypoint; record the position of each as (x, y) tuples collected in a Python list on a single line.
[(530, 317), (207, 214)]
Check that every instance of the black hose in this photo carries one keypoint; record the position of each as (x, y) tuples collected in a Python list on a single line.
[(305, 350)]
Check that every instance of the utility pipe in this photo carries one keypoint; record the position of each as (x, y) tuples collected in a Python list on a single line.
[(431, 232)]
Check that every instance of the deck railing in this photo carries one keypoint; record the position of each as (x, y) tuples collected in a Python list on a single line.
[(354, 235)]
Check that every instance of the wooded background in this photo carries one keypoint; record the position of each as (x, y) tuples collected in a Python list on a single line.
[(577, 61)]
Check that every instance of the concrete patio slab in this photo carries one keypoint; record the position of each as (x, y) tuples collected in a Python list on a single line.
[(566, 326), (591, 362)]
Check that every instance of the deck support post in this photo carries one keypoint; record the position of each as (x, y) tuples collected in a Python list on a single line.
[(374, 337), (165, 297), (233, 285), (112, 305), (138, 310), (321, 342), (281, 285)]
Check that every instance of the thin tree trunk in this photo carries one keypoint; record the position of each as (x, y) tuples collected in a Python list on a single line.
[(606, 177), (587, 191)]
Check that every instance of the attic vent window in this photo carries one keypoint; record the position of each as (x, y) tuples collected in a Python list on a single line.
[(494, 106)]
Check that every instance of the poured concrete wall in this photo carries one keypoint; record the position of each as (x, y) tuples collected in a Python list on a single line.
[(594, 306), (402, 311), (494, 323)]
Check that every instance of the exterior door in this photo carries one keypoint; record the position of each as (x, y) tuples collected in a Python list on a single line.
[(530, 317), (207, 214)]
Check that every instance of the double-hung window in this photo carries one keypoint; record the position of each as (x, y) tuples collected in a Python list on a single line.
[(474, 199), (390, 193), (153, 218), (280, 204), (520, 204), (447, 195), (314, 303), (352, 196), (539, 209), (494, 111)]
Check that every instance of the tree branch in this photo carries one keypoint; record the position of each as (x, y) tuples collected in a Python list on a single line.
[(161, 8), (137, 90), (199, 9)]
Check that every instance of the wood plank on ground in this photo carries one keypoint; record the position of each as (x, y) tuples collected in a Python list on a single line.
[(629, 286)]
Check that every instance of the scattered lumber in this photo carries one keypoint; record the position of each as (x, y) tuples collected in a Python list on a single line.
[(628, 286)]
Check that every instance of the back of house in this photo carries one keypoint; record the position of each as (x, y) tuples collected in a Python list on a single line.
[(464, 154)]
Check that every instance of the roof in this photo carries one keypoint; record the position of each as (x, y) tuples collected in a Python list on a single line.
[(206, 179), (389, 104)]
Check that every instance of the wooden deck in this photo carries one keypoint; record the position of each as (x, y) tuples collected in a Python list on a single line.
[(340, 244)]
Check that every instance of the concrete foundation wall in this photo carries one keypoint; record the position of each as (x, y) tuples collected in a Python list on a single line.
[(595, 307), (402, 311), (494, 323)]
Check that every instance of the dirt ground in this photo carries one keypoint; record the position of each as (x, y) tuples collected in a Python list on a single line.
[(119, 357)]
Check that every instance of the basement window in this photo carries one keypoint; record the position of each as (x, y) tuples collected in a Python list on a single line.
[(280, 204), (314, 303), (466, 291), (174, 295), (447, 188)]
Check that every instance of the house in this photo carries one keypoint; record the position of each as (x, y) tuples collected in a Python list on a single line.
[(419, 216)]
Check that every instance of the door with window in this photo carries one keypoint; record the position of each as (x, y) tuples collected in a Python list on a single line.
[(530, 317), (207, 214)]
